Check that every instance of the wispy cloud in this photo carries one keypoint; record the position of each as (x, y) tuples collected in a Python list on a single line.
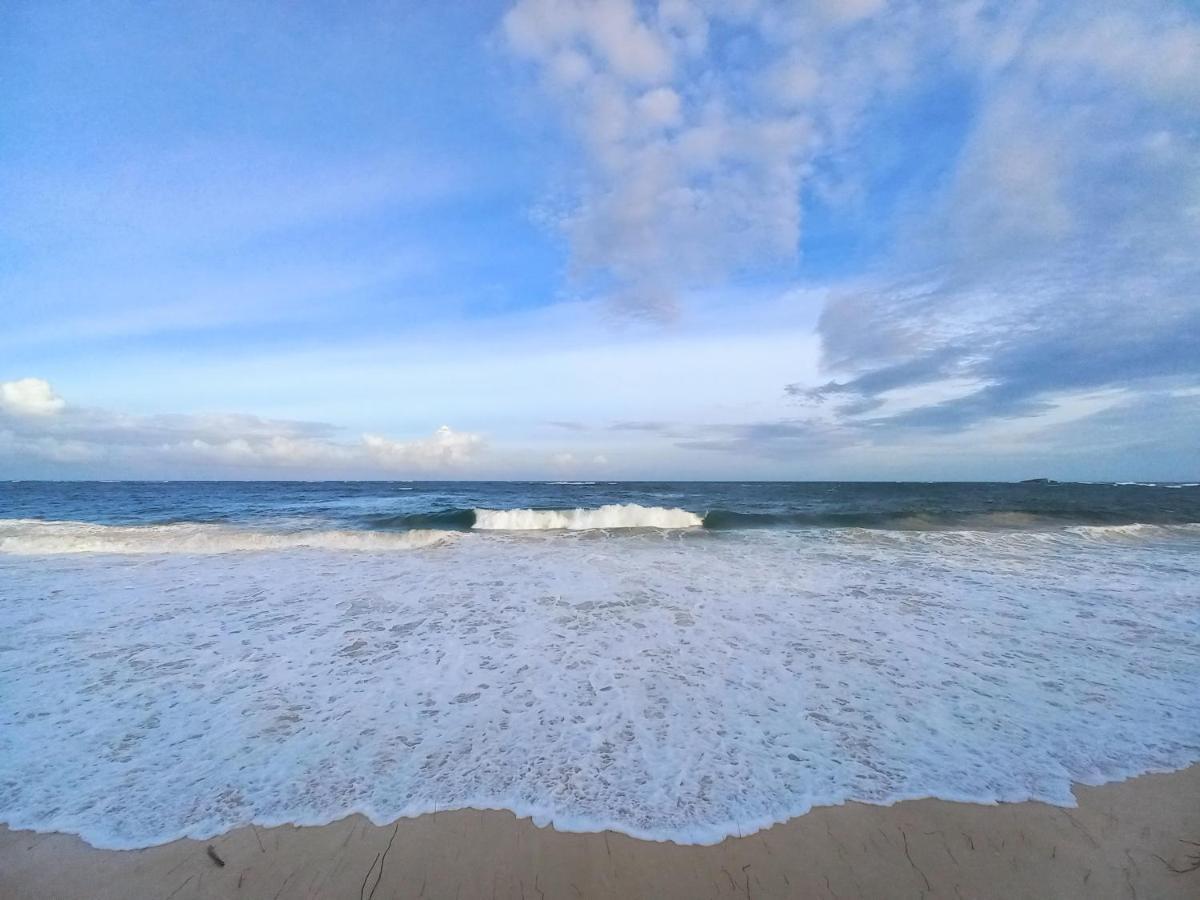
[(203, 235), (216, 194), (569, 426)]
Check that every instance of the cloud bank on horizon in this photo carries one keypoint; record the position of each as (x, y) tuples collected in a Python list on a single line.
[(893, 238), (35, 421)]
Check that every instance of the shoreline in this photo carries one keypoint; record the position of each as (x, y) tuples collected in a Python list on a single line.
[(1122, 840)]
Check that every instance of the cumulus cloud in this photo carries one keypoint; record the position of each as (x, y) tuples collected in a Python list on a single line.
[(705, 126), (37, 426), (29, 397), (699, 123)]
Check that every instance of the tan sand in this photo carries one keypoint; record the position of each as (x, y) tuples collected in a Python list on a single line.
[(1123, 841)]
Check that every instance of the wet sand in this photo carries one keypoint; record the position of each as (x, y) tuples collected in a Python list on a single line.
[(1135, 839)]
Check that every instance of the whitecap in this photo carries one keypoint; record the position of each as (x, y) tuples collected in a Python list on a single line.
[(617, 515)]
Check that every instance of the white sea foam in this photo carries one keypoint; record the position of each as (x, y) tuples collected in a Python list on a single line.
[(670, 685), (31, 536), (1134, 530), (627, 515), (1177, 484)]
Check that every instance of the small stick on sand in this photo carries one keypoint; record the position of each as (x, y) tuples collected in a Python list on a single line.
[(212, 854)]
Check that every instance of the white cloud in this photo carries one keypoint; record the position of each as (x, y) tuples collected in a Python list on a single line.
[(29, 397), (699, 162), (850, 10), (660, 107), (1158, 55), (35, 425), (570, 462), (685, 179), (445, 448), (612, 31)]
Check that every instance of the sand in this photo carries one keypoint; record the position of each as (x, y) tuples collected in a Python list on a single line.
[(1124, 841)]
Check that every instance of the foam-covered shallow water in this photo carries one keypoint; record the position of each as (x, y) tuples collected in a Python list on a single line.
[(670, 681), (35, 537)]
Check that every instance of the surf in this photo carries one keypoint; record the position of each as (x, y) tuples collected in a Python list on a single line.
[(616, 515), (33, 537), (753, 674)]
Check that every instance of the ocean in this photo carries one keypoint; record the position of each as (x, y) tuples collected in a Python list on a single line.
[(675, 661)]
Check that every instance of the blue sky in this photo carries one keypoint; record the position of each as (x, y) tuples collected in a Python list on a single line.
[(547, 238)]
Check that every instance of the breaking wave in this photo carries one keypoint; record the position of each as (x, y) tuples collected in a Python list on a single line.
[(617, 515)]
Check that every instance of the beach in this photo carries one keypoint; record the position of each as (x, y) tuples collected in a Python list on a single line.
[(1122, 841)]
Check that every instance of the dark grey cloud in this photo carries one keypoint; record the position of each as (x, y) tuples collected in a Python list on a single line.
[(1082, 333), (770, 439), (860, 395)]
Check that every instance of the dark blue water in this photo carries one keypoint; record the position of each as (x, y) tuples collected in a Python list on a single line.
[(390, 506)]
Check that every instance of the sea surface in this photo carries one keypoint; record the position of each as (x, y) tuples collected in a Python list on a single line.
[(676, 661)]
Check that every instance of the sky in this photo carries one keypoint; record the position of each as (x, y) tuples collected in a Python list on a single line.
[(537, 239)]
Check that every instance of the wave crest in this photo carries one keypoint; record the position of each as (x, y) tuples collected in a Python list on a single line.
[(617, 515), (32, 536), (1135, 529)]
